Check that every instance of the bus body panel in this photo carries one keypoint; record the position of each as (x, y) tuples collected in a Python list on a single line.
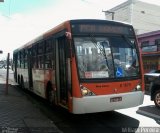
[(75, 81), (49, 76), (38, 82), (110, 87), (22, 76), (102, 103), (24, 73)]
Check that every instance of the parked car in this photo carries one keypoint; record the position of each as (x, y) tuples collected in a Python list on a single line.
[(152, 85)]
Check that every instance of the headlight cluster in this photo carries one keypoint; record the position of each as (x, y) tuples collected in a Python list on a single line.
[(138, 88), (85, 91)]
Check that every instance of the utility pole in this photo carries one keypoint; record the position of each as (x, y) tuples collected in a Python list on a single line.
[(7, 75), (109, 12)]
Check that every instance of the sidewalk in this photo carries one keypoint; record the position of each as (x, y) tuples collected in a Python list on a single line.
[(19, 115)]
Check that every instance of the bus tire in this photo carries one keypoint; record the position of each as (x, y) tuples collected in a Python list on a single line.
[(50, 94), (18, 80), (22, 83), (157, 98)]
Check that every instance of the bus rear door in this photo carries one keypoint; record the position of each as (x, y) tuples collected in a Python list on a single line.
[(30, 69)]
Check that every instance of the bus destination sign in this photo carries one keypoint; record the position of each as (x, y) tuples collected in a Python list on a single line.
[(93, 28)]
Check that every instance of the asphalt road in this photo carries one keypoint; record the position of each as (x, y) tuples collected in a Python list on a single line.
[(124, 120)]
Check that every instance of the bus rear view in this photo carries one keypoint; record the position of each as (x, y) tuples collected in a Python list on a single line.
[(108, 66)]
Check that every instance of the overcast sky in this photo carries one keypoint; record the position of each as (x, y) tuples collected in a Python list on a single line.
[(23, 20)]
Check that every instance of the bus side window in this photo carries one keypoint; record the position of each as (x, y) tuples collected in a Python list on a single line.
[(40, 55), (18, 59), (40, 61), (34, 54), (25, 58), (48, 58)]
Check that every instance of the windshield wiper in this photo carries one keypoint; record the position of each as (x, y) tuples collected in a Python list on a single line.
[(100, 47)]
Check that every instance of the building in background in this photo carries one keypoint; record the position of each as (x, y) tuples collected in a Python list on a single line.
[(143, 16), (149, 44)]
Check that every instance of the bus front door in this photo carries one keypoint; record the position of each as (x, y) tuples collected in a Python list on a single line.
[(62, 71)]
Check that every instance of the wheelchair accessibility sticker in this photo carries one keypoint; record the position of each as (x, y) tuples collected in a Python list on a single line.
[(119, 72)]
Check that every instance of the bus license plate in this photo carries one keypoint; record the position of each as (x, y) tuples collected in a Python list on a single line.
[(115, 99)]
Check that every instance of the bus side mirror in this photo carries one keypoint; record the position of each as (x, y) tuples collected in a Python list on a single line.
[(68, 35), (1, 52)]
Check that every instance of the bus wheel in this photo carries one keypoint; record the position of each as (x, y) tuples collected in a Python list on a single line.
[(22, 84), (157, 98), (50, 96), (18, 80)]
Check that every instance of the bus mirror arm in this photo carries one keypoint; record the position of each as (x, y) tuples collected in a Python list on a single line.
[(68, 35), (70, 48)]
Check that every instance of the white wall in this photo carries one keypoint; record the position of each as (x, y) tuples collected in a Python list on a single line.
[(143, 16)]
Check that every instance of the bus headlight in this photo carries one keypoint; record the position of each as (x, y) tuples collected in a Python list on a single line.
[(86, 92), (138, 88)]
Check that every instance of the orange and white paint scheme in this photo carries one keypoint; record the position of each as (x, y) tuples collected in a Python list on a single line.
[(84, 66)]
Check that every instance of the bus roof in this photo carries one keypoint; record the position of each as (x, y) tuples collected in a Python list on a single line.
[(63, 25), (99, 21)]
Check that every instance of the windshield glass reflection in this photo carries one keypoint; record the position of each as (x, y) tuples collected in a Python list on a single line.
[(106, 57)]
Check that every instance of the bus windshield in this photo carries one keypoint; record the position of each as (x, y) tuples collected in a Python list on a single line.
[(106, 57)]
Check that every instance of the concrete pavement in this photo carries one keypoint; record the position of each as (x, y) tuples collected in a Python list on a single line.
[(19, 115)]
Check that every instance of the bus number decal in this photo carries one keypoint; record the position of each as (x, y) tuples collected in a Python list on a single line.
[(125, 85)]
